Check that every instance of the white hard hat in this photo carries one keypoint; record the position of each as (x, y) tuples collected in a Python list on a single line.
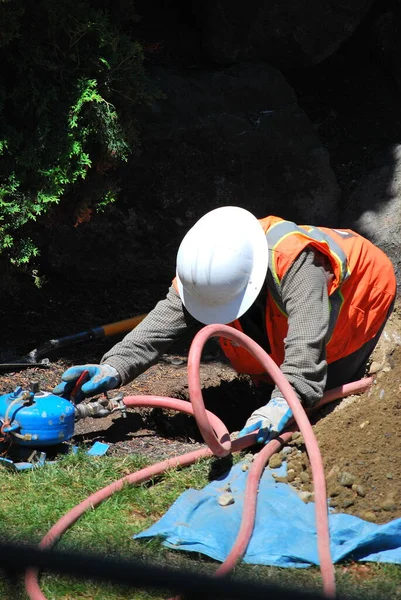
[(222, 264)]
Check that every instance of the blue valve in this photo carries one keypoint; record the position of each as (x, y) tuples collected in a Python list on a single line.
[(37, 419)]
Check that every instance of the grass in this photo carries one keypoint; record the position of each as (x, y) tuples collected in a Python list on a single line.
[(31, 502)]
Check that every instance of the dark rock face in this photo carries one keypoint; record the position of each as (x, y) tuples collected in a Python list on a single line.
[(289, 33), (386, 32), (375, 209), (231, 137)]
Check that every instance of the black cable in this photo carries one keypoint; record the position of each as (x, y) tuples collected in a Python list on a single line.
[(15, 558)]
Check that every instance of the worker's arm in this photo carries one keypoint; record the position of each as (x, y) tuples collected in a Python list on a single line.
[(142, 347), (305, 297)]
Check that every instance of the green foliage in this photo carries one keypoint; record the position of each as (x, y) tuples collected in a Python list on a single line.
[(71, 79)]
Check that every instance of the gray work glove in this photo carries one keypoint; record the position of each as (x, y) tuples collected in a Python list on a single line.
[(100, 378), (270, 419)]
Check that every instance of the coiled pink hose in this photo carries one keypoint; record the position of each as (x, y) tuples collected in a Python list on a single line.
[(217, 437)]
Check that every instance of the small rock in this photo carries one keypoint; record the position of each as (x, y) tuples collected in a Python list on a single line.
[(296, 435), (298, 441), (334, 490), (295, 466), (368, 516), (280, 479), (275, 461), (346, 479), (362, 425), (374, 367), (226, 499), (290, 476), (389, 505), (304, 476), (389, 475), (359, 489), (335, 469), (286, 451), (177, 361), (249, 457), (244, 467), (346, 502), (306, 497), (333, 502)]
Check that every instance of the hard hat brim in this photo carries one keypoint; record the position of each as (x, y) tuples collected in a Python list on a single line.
[(235, 308)]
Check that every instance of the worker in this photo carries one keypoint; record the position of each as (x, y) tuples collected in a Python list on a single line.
[(316, 299)]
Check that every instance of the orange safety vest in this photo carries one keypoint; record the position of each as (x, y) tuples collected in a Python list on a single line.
[(361, 290)]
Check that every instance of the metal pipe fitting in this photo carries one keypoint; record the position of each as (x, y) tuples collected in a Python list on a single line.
[(101, 408)]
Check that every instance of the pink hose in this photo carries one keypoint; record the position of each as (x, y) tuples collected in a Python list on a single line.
[(217, 437), (269, 366)]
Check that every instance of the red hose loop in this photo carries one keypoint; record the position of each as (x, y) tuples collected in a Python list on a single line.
[(269, 366), (220, 447)]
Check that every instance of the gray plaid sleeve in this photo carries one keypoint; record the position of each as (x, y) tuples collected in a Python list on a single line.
[(305, 298), (142, 347)]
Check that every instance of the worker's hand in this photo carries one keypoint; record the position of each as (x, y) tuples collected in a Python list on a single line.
[(100, 378), (270, 419)]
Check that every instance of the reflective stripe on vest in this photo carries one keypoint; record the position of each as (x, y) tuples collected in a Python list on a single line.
[(280, 231)]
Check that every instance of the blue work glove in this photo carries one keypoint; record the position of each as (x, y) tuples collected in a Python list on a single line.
[(270, 419), (101, 378)]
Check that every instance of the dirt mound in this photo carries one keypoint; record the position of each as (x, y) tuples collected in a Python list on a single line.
[(360, 444), (359, 438)]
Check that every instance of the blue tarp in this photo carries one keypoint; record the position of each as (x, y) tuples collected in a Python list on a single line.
[(285, 530)]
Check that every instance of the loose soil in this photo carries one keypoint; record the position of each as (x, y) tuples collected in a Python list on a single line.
[(359, 436)]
